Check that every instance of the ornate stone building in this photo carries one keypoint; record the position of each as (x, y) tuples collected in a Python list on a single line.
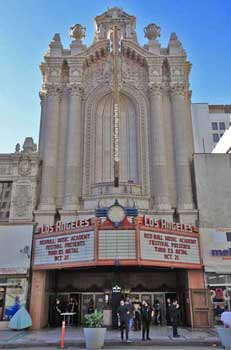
[(116, 194), (76, 134)]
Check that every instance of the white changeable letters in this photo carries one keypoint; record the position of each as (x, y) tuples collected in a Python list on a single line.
[(169, 247), (71, 248)]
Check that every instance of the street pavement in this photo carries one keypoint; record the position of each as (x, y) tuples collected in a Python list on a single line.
[(131, 347), (74, 338)]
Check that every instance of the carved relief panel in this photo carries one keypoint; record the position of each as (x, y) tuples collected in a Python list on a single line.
[(22, 200)]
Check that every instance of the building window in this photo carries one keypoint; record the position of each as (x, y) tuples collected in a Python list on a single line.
[(5, 199), (222, 126), (221, 135), (214, 126), (215, 137), (228, 236)]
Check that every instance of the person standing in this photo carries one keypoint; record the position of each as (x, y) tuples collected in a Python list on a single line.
[(137, 319), (130, 307), (157, 310), (57, 312), (147, 314), (168, 306), (123, 315), (174, 317)]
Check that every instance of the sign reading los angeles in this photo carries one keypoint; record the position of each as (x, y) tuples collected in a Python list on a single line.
[(67, 248)]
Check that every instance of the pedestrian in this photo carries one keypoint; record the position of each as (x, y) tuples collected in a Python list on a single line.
[(174, 317), (123, 315), (70, 309), (137, 316), (157, 310), (147, 314), (168, 306), (226, 317), (130, 307), (57, 312)]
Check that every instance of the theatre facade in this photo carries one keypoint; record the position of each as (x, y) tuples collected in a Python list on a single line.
[(116, 212)]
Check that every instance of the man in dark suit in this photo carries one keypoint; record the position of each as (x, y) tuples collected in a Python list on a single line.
[(174, 317), (147, 314), (124, 315)]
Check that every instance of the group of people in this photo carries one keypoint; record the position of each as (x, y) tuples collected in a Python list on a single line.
[(142, 314), (63, 307)]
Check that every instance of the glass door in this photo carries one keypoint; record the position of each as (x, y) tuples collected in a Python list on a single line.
[(88, 305), (99, 301), (159, 308)]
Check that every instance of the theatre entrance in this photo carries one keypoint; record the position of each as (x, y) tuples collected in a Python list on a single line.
[(93, 289), (88, 302)]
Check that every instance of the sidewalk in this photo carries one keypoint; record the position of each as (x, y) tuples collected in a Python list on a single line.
[(74, 338)]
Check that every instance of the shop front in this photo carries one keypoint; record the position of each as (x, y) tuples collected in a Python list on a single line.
[(15, 257), (99, 263), (216, 249)]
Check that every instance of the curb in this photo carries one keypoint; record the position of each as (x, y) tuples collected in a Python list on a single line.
[(116, 343)]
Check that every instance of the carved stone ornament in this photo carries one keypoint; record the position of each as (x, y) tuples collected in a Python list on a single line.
[(75, 90), (22, 201), (77, 32), (177, 89), (152, 31), (155, 89), (24, 166)]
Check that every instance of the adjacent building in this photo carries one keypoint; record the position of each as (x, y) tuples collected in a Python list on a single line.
[(209, 124), (18, 186), (214, 203)]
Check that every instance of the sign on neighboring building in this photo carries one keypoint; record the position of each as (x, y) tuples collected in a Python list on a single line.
[(66, 248), (216, 249), (117, 244), (169, 247), (15, 249)]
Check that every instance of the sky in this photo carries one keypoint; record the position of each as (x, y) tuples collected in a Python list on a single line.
[(28, 26)]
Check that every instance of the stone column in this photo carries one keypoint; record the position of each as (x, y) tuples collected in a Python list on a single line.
[(158, 152), (49, 158), (39, 300), (72, 188), (64, 107), (182, 157)]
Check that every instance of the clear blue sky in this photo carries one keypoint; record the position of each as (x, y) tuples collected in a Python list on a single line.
[(27, 27)]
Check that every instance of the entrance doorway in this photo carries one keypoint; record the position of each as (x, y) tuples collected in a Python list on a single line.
[(96, 286), (158, 301)]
